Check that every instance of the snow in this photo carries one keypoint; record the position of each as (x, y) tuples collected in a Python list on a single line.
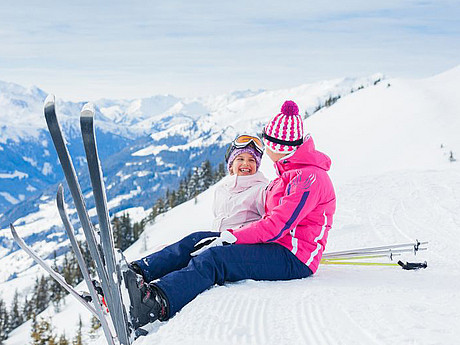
[(150, 150), (8, 197), (143, 173), (47, 169), (122, 176), (15, 174), (31, 188), (46, 217), (116, 201), (134, 213), (394, 184), (32, 161), (343, 304)]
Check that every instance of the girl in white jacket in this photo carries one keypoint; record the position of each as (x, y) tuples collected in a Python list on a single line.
[(240, 197)]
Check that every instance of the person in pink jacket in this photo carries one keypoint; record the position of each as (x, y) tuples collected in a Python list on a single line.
[(286, 243), (300, 203)]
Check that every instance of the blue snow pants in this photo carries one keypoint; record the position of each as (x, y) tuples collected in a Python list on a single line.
[(182, 277)]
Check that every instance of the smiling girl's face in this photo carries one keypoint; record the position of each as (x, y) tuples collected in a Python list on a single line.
[(244, 165)]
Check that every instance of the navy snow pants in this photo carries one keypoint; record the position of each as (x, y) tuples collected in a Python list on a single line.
[(182, 277)]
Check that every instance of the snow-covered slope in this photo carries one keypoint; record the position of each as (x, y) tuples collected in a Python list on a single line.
[(390, 145)]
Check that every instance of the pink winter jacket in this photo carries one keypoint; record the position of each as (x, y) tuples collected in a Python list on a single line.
[(299, 206)]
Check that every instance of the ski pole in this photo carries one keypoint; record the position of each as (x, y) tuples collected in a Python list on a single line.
[(369, 252), (415, 246), (327, 262), (362, 257), (405, 266)]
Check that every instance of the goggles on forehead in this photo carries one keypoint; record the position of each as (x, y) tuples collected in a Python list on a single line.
[(242, 141)]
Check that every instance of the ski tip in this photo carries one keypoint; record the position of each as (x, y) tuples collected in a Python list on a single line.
[(60, 190), (50, 100), (13, 230), (88, 110)]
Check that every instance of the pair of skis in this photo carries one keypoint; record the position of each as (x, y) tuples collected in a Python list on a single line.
[(389, 251), (116, 327)]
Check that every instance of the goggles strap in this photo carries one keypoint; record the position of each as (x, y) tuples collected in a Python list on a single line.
[(283, 142)]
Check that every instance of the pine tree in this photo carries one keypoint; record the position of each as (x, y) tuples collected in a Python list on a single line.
[(172, 199), (4, 322), (160, 206), (66, 268), (182, 192), (63, 340), (116, 229), (206, 175), (193, 185), (27, 309), (70, 269), (16, 316), (126, 231), (138, 229), (87, 257), (220, 173), (78, 339), (34, 332), (57, 293), (123, 231), (77, 276), (40, 297), (167, 207), (153, 214), (42, 332), (95, 325)]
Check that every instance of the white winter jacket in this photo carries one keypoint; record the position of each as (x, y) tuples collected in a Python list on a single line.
[(239, 200)]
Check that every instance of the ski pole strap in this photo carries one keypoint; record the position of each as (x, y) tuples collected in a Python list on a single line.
[(412, 265)]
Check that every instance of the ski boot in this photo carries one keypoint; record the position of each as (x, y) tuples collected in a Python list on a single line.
[(147, 302), (136, 268)]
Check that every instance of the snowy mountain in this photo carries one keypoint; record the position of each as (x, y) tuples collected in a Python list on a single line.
[(390, 143)]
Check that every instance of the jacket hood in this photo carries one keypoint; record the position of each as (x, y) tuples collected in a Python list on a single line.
[(305, 155), (240, 183)]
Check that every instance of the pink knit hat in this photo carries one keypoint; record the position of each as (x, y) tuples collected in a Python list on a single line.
[(284, 133)]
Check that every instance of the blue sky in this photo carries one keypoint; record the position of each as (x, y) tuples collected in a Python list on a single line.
[(85, 50)]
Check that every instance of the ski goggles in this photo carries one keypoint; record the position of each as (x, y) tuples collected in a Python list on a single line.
[(242, 141)]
